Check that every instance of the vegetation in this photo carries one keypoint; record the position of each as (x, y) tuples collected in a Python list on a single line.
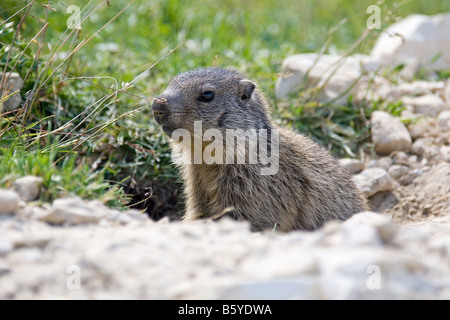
[(85, 124)]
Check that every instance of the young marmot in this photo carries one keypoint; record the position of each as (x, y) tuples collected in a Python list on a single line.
[(302, 186)]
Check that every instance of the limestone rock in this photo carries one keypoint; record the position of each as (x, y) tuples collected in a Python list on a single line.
[(372, 181), (382, 228), (5, 247), (73, 211), (383, 163), (429, 104), (357, 232), (9, 201), (28, 187), (353, 166), (444, 119), (271, 289), (401, 173), (389, 134), (414, 89), (446, 93), (420, 146), (127, 217), (223, 259), (433, 154), (418, 37), (335, 73), (445, 151), (372, 88), (418, 130), (399, 158)]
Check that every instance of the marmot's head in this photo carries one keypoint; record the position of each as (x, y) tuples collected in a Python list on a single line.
[(219, 98)]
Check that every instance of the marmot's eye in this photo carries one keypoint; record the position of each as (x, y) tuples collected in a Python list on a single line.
[(206, 96)]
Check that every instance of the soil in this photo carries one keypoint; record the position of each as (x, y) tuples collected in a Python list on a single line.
[(428, 195)]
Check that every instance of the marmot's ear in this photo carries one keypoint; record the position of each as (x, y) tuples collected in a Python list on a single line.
[(246, 88)]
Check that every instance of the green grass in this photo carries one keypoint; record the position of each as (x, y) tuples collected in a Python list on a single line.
[(88, 92), (70, 177)]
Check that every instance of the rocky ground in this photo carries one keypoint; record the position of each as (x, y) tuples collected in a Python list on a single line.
[(126, 256), (74, 249), (410, 186)]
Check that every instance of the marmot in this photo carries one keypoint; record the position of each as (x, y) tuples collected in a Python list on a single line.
[(307, 188)]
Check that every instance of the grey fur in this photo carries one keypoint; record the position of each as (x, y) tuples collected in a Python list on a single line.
[(310, 187)]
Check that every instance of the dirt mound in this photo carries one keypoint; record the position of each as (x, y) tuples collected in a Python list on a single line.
[(426, 197)]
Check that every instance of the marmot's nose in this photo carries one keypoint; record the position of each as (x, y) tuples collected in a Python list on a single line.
[(160, 108)]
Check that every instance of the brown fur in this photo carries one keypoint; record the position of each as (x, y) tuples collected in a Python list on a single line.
[(309, 188)]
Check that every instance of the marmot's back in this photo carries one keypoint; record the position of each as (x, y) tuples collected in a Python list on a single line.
[(320, 189), (307, 187)]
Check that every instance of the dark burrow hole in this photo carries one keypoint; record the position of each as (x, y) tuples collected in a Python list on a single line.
[(157, 199)]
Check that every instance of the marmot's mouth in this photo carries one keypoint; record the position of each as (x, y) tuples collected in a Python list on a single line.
[(168, 130)]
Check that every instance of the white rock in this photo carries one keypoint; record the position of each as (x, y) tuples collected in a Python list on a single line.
[(416, 88), (5, 247), (444, 119), (352, 165), (127, 217), (433, 154), (371, 88), (380, 229), (410, 69), (389, 134), (383, 163), (26, 256), (446, 157), (9, 201), (372, 259), (372, 181), (367, 62), (412, 160), (345, 273), (32, 241), (335, 73), (28, 187), (305, 288), (13, 83), (408, 113), (419, 129), (445, 151), (420, 146), (359, 234), (74, 211), (428, 104), (442, 244), (401, 173), (33, 212), (4, 269), (399, 157), (418, 37), (446, 93), (285, 263)]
